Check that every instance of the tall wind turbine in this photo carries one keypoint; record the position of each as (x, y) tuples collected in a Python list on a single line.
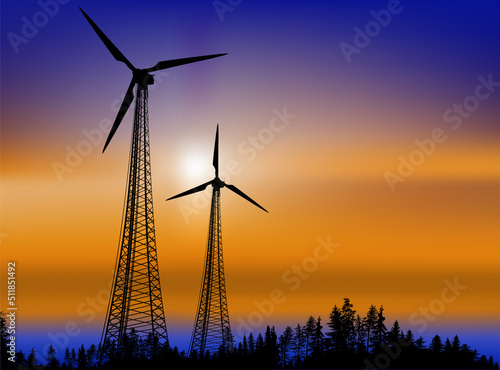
[(211, 329), (136, 304)]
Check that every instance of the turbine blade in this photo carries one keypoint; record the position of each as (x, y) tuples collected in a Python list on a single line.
[(127, 100), (111, 47), (192, 191), (216, 153), (243, 195), (178, 62)]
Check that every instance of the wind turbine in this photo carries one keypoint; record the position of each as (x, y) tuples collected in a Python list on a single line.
[(211, 328), (140, 77), (136, 305)]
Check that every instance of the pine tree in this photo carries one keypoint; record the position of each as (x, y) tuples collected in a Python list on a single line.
[(285, 342), (455, 345), (420, 342), (394, 333), (245, 345), (402, 336), (380, 329), (335, 333), (194, 354), (148, 346), (259, 343), (409, 338), (51, 357), (298, 342), (73, 358), (4, 355), (105, 352), (82, 358), (271, 350), (251, 343), (309, 330), (228, 341), (370, 321), (21, 358), (436, 344), (447, 345), (131, 345), (359, 328), (348, 316), (483, 362), (67, 358), (91, 355), (318, 338), (283, 350), (32, 361), (267, 336), (491, 365)]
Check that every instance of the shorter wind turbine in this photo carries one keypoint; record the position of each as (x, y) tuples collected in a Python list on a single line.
[(211, 330)]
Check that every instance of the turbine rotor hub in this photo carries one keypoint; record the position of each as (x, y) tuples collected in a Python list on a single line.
[(218, 183), (142, 78)]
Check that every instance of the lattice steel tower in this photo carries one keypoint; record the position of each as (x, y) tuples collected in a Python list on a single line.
[(211, 329), (136, 303)]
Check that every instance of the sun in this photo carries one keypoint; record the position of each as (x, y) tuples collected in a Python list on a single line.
[(196, 168)]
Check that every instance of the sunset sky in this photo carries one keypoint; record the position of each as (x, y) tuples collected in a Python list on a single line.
[(384, 146)]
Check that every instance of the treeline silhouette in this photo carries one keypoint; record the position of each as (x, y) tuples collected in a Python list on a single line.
[(347, 341)]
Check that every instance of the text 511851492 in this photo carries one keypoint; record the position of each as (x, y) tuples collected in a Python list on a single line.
[(11, 315)]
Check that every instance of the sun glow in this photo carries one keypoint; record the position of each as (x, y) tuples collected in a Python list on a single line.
[(196, 168)]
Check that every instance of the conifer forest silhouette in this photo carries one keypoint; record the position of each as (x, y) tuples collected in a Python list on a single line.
[(346, 340)]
